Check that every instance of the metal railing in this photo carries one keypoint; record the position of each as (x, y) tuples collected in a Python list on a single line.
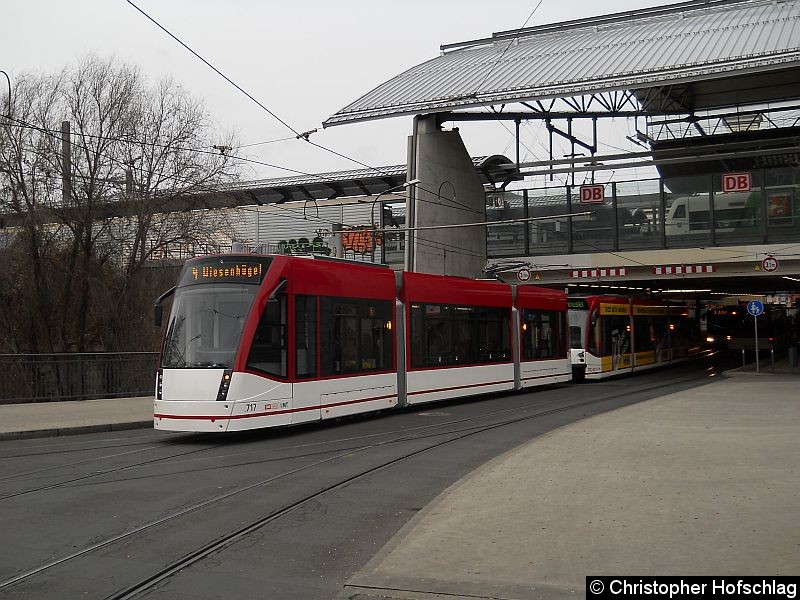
[(76, 376)]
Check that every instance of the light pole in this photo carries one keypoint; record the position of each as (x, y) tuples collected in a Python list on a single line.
[(8, 80), (402, 186)]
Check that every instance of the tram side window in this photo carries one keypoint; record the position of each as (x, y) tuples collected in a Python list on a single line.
[(444, 335), (493, 343), (616, 335), (661, 333), (643, 334), (542, 334), (356, 335), (305, 336), (438, 335), (268, 352), (595, 334), (464, 338)]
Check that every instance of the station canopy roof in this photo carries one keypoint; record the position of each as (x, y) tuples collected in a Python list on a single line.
[(709, 53), (494, 171)]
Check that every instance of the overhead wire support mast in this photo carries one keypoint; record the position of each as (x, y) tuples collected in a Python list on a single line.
[(8, 80)]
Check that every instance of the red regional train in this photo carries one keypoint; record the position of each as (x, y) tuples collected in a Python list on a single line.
[(257, 341)]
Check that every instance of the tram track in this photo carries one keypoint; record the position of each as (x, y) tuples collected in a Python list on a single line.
[(224, 441), (466, 427), (97, 473)]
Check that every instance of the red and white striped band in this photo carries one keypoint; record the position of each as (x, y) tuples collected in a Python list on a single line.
[(681, 269), (609, 272)]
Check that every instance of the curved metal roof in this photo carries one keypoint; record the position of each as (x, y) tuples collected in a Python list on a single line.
[(691, 41)]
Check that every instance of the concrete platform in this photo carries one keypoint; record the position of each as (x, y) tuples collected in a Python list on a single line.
[(48, 419), (703, 482)]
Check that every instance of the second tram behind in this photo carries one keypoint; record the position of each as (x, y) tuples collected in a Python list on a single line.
[(611, 335)]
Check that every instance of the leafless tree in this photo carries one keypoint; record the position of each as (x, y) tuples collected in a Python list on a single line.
[(137, 150)]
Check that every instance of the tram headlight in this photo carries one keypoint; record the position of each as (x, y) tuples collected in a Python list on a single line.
[(710, 340), (222, 394), (159, 383)]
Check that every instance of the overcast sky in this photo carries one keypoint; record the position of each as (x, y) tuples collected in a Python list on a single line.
[(304, 59)]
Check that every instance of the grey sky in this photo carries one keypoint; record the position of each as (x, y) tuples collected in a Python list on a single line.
[(304, 60)]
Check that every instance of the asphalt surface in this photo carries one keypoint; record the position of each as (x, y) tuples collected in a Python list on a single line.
[(416, 504)]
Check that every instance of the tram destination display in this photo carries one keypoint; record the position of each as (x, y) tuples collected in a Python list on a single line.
[(226, 269)]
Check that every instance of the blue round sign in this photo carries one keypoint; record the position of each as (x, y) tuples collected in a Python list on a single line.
[(755, 308)]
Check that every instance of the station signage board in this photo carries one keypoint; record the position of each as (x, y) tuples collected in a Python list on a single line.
[(737, 182), (592, 194)]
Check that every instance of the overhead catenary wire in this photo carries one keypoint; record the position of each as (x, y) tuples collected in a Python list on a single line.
[(56, 133), (298, 135), (215, 69)]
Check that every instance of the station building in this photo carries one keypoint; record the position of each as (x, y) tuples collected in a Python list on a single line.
[(711, 92)]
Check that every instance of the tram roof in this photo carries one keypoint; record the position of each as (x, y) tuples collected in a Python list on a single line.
[(728, 51)]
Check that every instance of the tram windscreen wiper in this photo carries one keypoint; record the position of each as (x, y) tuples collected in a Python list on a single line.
[(207, 365)]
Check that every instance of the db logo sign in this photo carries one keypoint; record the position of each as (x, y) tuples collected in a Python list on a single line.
[(593, 194), (737, 182)]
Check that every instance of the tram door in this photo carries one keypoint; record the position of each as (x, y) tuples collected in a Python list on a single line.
[(620, 328), (616, 332)]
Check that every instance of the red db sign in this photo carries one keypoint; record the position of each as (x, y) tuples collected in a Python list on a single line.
[(737, 182), (593, 194)]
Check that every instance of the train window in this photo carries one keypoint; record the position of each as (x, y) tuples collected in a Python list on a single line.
[(595, 334), (356, 335), (493, 343), (542, 334), (444, 335), (438, 335), (577, 326), (464, 342), (268, 352), (305, 336), (644, 334), (616, 339)]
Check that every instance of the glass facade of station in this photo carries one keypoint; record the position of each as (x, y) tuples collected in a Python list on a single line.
[(677, 212)]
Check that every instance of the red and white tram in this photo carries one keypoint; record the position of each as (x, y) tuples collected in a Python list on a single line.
[(611, 335), (258, 341)]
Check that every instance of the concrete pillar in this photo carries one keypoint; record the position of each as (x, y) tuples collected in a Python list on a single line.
[(450, 192), (336, 240)]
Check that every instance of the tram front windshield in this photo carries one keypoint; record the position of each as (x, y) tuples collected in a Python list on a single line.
[(212, 300), (205, 326)]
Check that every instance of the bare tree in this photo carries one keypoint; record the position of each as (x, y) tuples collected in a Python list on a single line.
[(136, 150)]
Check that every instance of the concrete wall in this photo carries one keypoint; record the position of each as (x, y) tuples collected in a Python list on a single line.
[(450, 192)]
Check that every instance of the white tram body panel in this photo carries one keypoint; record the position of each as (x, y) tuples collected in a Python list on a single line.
[(343, 396), (252, 401), (440, 384), (544, 372)]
